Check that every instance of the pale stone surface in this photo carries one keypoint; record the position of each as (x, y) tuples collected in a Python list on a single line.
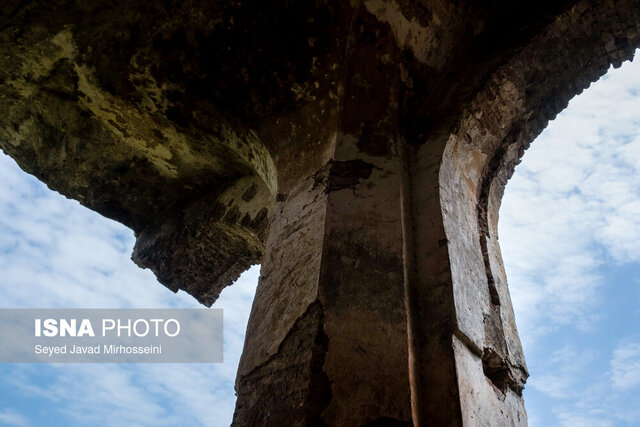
[(358, 150)]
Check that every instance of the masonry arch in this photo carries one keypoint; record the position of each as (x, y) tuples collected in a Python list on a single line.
[(511, 109)]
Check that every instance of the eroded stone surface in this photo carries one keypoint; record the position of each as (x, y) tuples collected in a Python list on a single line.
[(358, 150)]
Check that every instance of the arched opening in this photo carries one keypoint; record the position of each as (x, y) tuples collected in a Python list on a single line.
[(513, 107), (569, 233)]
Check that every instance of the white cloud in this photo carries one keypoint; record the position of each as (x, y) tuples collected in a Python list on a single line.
[(573, 419), (585, 394), (573, 205), (562, 373), (9, 417), (132, 395), (625, 366)]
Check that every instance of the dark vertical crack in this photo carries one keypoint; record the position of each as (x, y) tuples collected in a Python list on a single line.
[(319, 395), (483, 220)]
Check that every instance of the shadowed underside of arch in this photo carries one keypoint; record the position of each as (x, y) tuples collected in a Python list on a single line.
[(358, 150)]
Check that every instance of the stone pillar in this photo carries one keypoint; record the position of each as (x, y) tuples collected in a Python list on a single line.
[(327, 338), (364, 313)]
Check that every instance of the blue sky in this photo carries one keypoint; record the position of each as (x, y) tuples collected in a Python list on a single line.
[(570, 236), (55, 253)]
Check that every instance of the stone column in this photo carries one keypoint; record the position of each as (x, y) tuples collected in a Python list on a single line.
[(327, 338), (364, 314)]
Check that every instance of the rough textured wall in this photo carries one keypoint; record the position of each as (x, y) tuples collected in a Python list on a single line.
[(359, 150)]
